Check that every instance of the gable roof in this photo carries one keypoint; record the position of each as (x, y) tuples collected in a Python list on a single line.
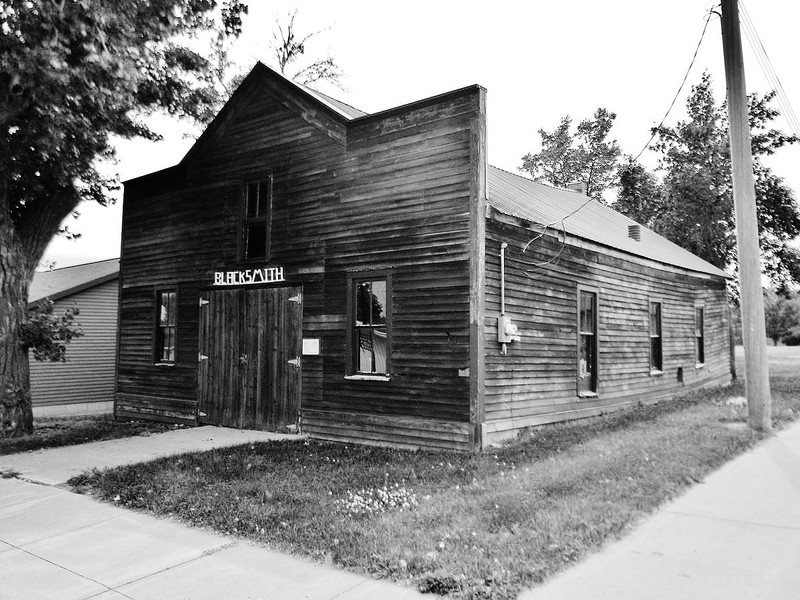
[(582, 217), (328, 115), (60, 283)]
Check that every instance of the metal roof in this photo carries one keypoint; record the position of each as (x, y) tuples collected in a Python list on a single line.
[(59, 283), (590, 220), (347, 111)]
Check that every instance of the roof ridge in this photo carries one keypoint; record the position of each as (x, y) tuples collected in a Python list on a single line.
[(86, 264)]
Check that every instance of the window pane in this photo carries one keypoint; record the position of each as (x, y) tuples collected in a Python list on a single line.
[(252, 199), (698, 322), (378, 302), (256, 241), (655, 318), (587, 310), (263, 198), (363, 303), (655, 353)]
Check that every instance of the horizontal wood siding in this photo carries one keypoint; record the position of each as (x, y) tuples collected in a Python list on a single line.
[(396, 197), (536, 382), (88, 374), (398, 432)]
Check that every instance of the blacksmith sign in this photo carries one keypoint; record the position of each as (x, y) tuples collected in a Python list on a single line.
[(249, 276)]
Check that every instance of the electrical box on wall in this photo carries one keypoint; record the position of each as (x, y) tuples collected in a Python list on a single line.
[(506, 330)]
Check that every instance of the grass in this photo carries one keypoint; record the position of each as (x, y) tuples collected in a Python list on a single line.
[(465, 526), (67, 431)]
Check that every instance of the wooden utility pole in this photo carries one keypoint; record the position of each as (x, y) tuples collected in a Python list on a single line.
[(756, 369)]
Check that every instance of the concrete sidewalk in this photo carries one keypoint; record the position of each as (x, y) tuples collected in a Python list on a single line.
[(735, 536), (56, 544), (54, 466)]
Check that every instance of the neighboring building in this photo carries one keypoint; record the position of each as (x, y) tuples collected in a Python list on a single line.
[(85, 383), (309, 264)]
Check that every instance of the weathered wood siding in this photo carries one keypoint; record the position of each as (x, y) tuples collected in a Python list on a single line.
[(87, 378), (395, 196), (536, 382)]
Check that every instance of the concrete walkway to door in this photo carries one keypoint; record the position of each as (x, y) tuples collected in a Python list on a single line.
[(56, 544)]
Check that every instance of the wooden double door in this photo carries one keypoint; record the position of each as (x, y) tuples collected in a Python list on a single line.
[(249, 359)]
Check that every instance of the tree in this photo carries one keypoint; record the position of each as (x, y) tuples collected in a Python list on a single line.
[(779, 314), (289, 48), (73, 73), (693, 203), (584, 156)]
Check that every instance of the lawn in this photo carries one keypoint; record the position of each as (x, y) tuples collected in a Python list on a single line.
[(465, 526), (67, 431)]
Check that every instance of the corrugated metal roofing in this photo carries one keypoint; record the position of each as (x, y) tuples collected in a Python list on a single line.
[(346, 110), (527, 199), (68, 280)]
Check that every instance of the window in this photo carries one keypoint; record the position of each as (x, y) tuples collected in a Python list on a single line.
[(699, 334), (256, 214), (656, 358), (370, 341), (166, 309), (587, 342)]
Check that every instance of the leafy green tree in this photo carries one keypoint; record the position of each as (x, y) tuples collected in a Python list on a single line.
[(583, 156), (692, 205), (780, 314), (72, 74)]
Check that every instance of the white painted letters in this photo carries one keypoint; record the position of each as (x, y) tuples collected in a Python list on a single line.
[(249, 276)]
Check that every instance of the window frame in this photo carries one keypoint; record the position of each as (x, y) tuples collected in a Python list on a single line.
[(594, 384), (656, 369), (246, 221), (700, 339), (354, 278), (158, 332)]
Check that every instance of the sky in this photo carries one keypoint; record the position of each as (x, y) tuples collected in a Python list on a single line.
[(538, 59)]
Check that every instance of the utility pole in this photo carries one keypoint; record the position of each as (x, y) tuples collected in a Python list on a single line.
[(756, 369)]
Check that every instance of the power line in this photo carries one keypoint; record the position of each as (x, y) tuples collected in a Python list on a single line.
[(769, 71), (685, 77)]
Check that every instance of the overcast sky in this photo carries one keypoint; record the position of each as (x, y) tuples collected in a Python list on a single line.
[(538, 59)]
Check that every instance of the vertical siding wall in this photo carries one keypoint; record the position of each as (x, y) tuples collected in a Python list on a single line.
[(85, 383), (396, 197), (536, 382)]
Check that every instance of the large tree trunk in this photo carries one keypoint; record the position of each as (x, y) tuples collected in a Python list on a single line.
[(16, 415)]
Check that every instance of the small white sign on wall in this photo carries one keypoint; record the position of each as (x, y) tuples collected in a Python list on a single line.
[(310, 346)]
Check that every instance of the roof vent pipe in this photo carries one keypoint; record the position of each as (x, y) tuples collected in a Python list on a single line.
[(635, 232)]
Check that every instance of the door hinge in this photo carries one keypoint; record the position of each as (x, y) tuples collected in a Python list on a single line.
[(201, 357), (203, 302), (298, 298), (294, 361)]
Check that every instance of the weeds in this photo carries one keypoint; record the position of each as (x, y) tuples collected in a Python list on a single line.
[(464, 526)]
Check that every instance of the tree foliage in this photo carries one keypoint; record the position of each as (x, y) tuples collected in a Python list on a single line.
[(692, 205), (47, 333), (73, 73), (581, 156)]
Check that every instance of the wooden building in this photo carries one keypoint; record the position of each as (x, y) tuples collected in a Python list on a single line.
[(85, 383), (307, 264)]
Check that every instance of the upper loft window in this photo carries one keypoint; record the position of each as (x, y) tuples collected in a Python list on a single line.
[(256, 218)]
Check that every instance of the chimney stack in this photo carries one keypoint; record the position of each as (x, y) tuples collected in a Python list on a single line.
[(635, 232)]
